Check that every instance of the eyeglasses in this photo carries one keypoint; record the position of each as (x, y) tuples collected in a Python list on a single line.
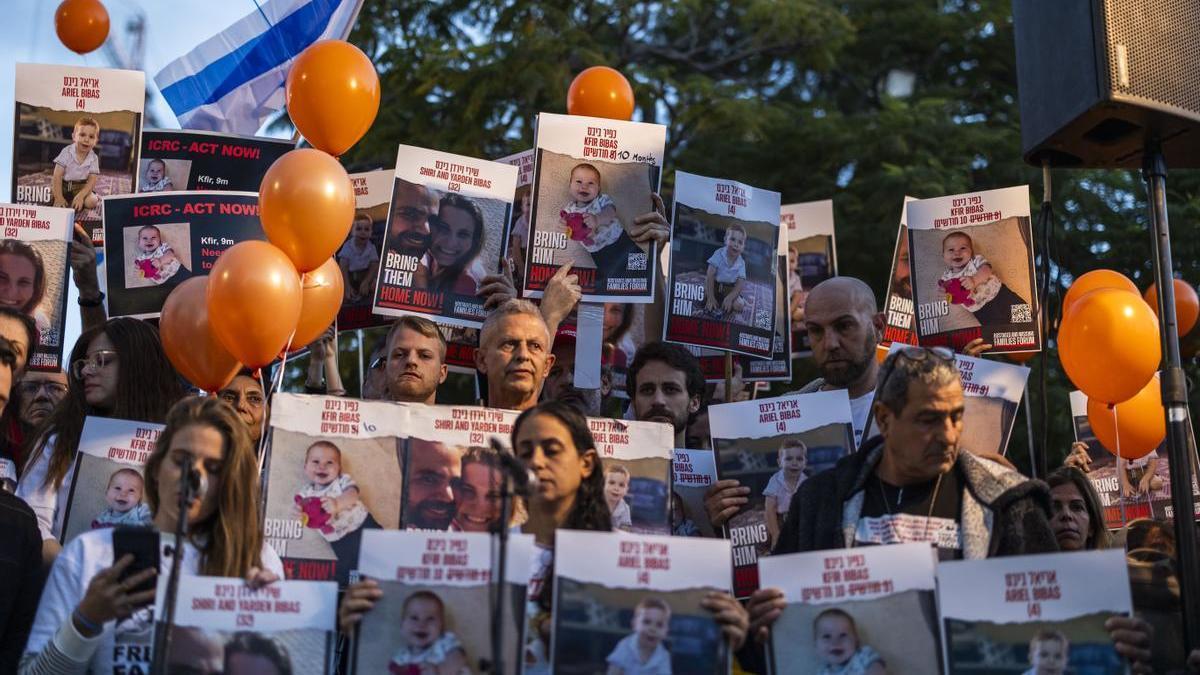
[(916, 355), (95, 361), (31, 388)]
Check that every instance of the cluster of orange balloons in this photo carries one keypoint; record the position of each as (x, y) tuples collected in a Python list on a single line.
[(82, 25), (600, 91), (266, 298), (1110, 346)]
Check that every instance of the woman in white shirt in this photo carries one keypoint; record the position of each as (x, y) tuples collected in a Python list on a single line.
[(88, 618), (116, 370)]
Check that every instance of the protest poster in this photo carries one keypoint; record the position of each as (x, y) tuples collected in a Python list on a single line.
[(592, 177), (811, 250), (445, 233), (452, 472), (636, 457), (358, 257), (618, 597), (1128, 489), (188, 159), (33, 268), (724, 262), (439, 593), (971, 258), (842, 609), (109, 486), (516, 240), (224, 625), (334, 471), (78, 134), (898, 309), (772, 446), (1036, 613), (157, 240), (693, 471)]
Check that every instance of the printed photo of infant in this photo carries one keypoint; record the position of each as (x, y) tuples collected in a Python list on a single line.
[(970, 281), (839, 648), (123, 501), (157, 254), (329, 500), (163, 175), (427, 648)]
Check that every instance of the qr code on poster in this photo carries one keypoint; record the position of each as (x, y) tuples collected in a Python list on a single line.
[(1021, 314), (636, 262)]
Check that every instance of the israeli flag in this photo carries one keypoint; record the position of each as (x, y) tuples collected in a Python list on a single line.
[(234, 81)]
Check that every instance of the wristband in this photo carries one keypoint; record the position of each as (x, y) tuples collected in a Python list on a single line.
[(91, 303), (89, 626)]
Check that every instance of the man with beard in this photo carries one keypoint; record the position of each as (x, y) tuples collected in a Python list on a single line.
[(433, 469), (514, 353), (408, 231), (560, 382), (665, 384), (415, 360)]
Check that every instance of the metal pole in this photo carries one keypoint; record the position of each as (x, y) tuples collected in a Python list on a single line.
[(1033, 463), (1174, 398)]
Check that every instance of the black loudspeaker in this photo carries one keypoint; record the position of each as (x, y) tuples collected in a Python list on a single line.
[(1098, 79)]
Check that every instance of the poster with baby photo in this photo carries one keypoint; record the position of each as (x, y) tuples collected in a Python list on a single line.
[(1129, 489), (637, 472), (724, 263), (692, 471), (33, 274), (807, 229), (772, 446), (156, 241), (629, 603), (334, 471), (223, 626), (842, 607), (174, 159), (592, 178), (1033, 614), (899, 325), (516, 239), (445, 233), (440, 603), (77, 137), (971, 258), (452, 470), (358, 257), (109, 488)]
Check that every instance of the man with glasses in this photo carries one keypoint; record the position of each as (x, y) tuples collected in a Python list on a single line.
[(34, 397)]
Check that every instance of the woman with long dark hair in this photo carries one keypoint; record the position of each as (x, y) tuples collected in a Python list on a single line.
[(87, 609), (1077, 518), (456, 238), (118, 369)]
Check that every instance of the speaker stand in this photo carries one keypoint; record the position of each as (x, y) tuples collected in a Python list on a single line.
[(1180, 442)]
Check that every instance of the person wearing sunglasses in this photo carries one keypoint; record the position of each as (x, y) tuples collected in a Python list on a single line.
[(117, 369)]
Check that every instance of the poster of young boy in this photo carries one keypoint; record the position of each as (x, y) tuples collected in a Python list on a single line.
[(632, 604), (693, 471), (772, 446), (842, 609), (358, 257), (899, 325), (156, 241), (174, 159), (445, 233), (333, 472), (516, 241), (592, 177), (972, 270), (109, 488), (452, 473), (724, 260), (807, 229), (637, 472), (438, 599), (222, 625), (78, 133), (1128, 489), (33, 262), (1033, 614)]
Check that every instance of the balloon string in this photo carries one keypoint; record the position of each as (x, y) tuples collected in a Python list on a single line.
[(262, 434), (1122, 464)]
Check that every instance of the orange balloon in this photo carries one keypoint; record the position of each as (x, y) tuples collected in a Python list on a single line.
[(254, 301), (1187, 305), (322, 291), (306, 204), (1091, 281), (1021, 357), (1139, 424), (188, 339), (332, 95), (600, 91), (1109, 344), (82, 25)]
